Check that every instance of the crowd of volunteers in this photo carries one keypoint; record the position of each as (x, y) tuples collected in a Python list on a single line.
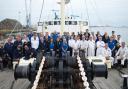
[(92, 44)]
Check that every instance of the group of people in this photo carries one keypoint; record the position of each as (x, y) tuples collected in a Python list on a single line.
[(111, 47)]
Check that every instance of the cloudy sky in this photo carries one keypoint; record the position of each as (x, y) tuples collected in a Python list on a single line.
[(100, 12)]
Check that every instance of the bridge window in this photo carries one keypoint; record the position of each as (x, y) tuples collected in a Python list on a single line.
[(40, 23), (70, 22), (74, 22), (50, 23), (85, 23), (46, 23), (56, 22), (66, 22)]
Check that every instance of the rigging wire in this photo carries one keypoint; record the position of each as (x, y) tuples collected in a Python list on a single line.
[(82, 10), (30, 12), (26, 12), (12, 31), (87, 12), (96, 11), (41, 11), (69, 10), (94, 5), (71, 7)]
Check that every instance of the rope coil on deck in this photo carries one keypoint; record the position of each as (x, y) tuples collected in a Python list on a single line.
[(83, 74), (35, 84), (22, 71)]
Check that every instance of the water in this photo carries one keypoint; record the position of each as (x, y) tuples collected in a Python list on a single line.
[(123, 31)]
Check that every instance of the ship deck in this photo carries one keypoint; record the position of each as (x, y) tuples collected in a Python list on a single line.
[(114, 81)]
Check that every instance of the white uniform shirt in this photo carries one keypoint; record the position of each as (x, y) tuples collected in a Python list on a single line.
[(100, 48), (83, 44), (91, 48), (76, 45), (107, 52), (91, 44), (100, 44), (121, 52), (70, 42), (35, 42)]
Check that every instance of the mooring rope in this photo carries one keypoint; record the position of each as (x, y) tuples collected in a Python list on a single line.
[(35, 84), (82, 73)]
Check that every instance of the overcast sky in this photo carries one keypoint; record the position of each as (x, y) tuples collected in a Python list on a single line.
[(101, 12)]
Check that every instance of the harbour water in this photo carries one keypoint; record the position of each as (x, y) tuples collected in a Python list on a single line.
[(123, 31)]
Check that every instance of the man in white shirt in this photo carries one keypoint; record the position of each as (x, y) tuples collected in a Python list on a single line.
[(84, 45), (119, 40), (122, 53), (108, 54), (100, 47), (91, 46), (75, 46), (35, 41), (70, 43)]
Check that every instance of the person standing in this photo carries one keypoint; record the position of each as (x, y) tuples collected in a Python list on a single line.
[(8, 47), (91, 46), (100, 46), (70, 43), (75, 46), (84, 45), (112, 44), (35, 41), (64, 47), (58, 49), (17, 48)]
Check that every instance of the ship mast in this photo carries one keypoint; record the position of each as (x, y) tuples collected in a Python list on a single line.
[(62, 16), (62, 8)]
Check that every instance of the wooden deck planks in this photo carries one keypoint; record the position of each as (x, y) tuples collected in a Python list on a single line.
[(7, 81), (114, 81)]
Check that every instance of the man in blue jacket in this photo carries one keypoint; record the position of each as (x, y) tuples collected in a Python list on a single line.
[(17, 48)]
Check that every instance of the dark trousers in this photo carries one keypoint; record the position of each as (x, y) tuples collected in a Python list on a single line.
[(1, 65)]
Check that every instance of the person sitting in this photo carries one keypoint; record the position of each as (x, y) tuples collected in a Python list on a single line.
[(121, 53), (108, 54), (29, 52), (64, 47)]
